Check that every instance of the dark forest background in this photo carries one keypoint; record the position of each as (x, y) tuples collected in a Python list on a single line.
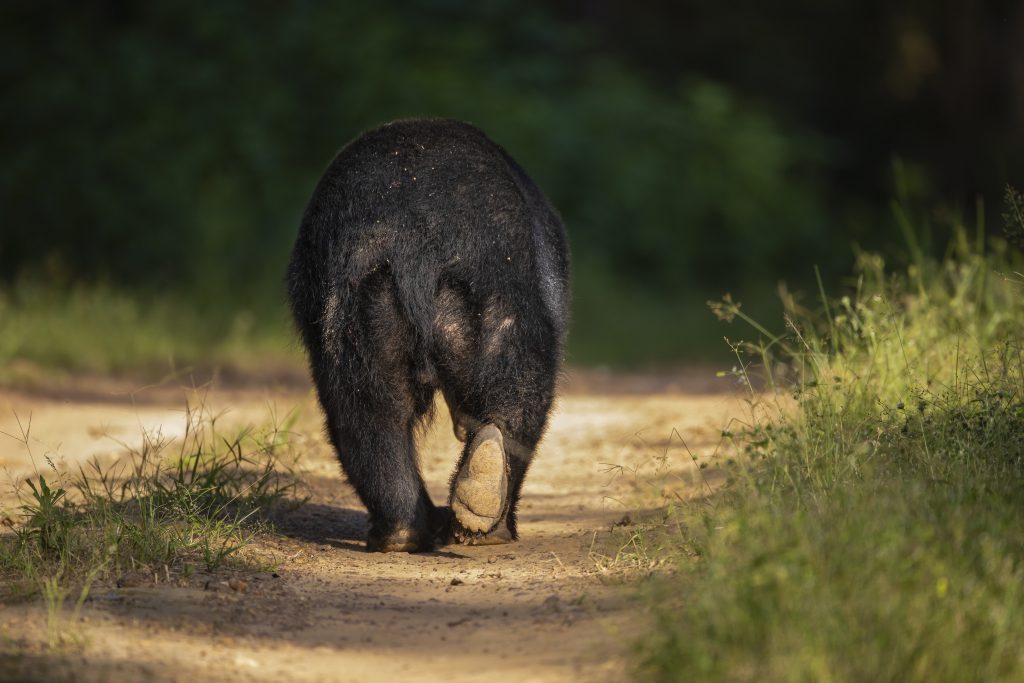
[(167, 148)]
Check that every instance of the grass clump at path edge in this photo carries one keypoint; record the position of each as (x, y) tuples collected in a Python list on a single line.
[(167, 509), (875, 531)]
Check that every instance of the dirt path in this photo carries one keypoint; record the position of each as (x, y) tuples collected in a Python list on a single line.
[(541, 609)]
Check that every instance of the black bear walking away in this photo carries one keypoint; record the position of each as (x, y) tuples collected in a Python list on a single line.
[(427, 259)]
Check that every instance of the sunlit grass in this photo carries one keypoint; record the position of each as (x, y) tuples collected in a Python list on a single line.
[(166, 509), (875, 531)]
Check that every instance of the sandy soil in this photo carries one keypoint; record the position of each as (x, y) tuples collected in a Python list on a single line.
[(543, 609)]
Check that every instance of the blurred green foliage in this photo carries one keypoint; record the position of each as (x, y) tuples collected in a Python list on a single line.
[(46, 333), (170, 147)]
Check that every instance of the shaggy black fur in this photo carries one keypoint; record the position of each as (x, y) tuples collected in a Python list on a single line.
[(427, 259)]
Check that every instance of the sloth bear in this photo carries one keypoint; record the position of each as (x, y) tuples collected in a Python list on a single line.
[(428, 260)]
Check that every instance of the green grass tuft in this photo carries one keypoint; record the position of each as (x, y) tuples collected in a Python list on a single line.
[(874, 527), (165, 508)]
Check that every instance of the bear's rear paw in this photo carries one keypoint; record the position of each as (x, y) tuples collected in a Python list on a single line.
[(401, 540), (479, 497)]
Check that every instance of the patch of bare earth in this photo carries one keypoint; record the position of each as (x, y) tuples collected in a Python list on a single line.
[(315, 606)]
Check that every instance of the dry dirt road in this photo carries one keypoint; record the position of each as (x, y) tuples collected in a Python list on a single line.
[(322, 609)]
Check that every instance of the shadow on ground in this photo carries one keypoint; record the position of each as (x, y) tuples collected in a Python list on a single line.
[(310, 522)]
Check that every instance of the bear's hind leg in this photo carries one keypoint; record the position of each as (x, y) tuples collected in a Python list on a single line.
[(372, 403), (503, 393), (379, 461)]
